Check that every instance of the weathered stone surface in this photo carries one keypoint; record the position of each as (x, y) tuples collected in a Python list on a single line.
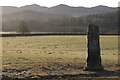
[(94, 58)]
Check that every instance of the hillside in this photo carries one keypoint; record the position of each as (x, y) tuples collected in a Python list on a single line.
[(61, 18), (60, 9)]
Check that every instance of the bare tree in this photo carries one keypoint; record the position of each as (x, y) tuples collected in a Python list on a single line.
[(22, 28)]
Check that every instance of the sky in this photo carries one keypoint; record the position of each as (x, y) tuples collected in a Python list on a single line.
[(50, 3)]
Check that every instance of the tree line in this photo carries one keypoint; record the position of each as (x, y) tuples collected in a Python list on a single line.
[(108, 24)]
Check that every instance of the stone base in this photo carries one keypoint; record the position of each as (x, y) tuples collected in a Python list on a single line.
[(99, 68)]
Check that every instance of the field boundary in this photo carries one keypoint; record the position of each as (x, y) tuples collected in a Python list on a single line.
[(47, 34)]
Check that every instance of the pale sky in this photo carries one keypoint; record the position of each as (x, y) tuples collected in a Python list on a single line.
[(50, 3)]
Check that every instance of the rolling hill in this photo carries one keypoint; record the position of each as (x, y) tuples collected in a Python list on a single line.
[(60, 18)]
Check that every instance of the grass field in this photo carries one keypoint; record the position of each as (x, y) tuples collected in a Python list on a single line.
[(54, 55)]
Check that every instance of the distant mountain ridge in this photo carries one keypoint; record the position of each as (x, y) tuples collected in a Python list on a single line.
[(60, 9), (61, 18)]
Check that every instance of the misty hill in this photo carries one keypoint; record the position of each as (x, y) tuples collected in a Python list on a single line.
[(59, 9), (108, 23), (60, 18), (30, 15)]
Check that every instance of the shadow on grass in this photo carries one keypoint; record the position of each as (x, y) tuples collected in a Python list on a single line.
[(97, 75)]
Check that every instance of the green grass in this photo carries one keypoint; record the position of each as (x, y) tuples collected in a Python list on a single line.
[(49, 55)]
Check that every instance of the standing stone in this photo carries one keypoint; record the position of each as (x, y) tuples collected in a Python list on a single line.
[(94, 58)]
